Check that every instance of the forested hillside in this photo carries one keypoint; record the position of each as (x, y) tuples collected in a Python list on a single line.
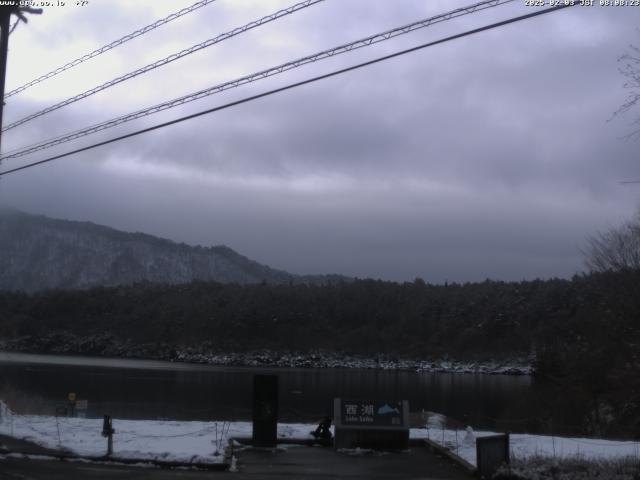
[(592, 317), (584, 333)]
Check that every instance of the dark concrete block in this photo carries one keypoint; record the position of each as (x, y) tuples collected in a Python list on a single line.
[(265, 410)]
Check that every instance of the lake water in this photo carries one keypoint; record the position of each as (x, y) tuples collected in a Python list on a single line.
[(143, 389)]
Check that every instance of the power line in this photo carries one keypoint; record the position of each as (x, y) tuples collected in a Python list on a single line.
[(110, 46), (373, 39), (293, 85), (164, 61)]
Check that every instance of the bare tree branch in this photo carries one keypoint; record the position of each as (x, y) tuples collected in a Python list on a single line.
[(629, 68), (615, 250)]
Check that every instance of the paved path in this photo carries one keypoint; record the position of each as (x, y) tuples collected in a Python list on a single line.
[(317, 463), (293, 463), (16, 445)]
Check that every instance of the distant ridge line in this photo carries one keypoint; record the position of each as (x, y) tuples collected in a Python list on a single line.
[(39, 253)]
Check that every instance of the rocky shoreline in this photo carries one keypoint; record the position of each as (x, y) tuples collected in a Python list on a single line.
[(105, 345)]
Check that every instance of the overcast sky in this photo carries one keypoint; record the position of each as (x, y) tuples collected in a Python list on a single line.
[(489, 156)]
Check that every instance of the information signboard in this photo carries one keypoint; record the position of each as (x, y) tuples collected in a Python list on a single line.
[(378, 424), (372, 413)]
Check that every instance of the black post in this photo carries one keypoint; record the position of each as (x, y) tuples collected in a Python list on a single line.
[(265, 410), (108, 431)]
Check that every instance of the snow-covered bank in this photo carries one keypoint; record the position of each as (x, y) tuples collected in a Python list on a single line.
[(576, 468), (205, 442), (522, 445), (333, 360), (109, 346), (192, 442), (525, 445)]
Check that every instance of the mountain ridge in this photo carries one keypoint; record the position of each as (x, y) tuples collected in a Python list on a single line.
[(39, 253)]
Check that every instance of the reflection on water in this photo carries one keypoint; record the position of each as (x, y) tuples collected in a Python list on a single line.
[(153, 389)]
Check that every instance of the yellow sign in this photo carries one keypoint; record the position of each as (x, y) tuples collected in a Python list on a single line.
[(72, 396)]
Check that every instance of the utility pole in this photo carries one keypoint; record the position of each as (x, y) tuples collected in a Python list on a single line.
[(5, 22), (5, 25)]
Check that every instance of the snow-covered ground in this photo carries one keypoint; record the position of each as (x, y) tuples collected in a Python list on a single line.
[(462, 443), (526, 445), (197, 442), (192, 441)]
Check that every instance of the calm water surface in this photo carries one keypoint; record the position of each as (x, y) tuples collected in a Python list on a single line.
[(144, 389)]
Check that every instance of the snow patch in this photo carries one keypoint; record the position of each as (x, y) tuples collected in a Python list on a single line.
[(200, 442), (522, 445)]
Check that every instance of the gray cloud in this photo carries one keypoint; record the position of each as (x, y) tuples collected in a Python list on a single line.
[(489, 156)]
